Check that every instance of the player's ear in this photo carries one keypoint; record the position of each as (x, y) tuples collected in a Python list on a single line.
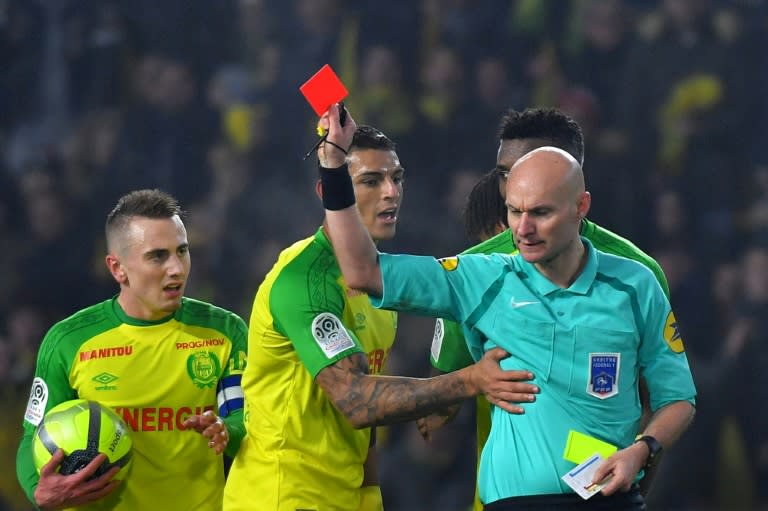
[(115, 268), (319, 189)]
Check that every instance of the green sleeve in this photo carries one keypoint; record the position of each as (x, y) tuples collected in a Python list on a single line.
[(25, 468), (236, 366), (237, 332), (51, 383), (236, 429), (307, 306), (50, 387), (449, 349)]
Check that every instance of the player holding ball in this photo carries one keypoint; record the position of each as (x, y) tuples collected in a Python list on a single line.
[(169, 367)]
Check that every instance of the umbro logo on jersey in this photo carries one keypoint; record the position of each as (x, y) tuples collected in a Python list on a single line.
[(104, 380), (517, 305)]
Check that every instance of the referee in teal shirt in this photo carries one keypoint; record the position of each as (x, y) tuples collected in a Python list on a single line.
[(587, 323), (586, 344)]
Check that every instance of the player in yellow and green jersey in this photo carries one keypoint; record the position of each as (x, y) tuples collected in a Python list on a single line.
[(316, 348), (520, 132), (170, 366)]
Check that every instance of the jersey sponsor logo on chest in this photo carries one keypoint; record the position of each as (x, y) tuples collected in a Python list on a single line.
[(160, 418), (117, 351), (199, 343)]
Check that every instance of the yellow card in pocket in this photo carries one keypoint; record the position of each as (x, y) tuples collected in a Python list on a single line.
[(579, 447)]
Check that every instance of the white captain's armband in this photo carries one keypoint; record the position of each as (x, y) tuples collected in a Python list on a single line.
[(329, 333), (229, 395)]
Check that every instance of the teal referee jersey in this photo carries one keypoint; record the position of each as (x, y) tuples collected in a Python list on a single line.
[(588, 344)]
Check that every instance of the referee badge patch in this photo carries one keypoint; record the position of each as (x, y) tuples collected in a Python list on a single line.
[(330, 334), (603, 374)]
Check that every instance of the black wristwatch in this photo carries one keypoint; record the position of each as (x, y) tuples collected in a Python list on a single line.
[(654, 448)]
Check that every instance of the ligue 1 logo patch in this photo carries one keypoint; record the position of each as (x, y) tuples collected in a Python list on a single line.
[(38, 398), (603, 374), (330, 334), (437, 339)]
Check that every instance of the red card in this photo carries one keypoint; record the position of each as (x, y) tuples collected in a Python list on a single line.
[(323, 90)]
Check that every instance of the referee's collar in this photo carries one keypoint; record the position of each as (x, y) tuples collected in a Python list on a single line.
[(581, 285)]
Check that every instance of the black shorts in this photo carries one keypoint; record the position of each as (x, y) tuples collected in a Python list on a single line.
[(620, 501)]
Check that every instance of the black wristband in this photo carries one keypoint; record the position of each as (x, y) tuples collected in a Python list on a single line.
[(338, 192)]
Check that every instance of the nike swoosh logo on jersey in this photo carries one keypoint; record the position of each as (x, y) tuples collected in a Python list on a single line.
[(517, 305)]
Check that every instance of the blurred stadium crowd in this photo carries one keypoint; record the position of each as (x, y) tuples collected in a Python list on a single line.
[(200, 98)]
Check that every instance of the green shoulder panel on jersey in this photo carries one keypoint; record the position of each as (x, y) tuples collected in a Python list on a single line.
[(197, 313), (65, 337), (612, 243), (57, 353), (307, 287), (206, 315), (502, 243), (308, 281)]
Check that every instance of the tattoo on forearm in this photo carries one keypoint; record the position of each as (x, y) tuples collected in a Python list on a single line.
[(368, 400)]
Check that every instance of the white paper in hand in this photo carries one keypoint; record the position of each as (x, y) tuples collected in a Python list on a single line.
[(580, 477)]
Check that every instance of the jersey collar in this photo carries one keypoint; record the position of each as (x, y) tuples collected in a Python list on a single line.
[(584, 281), (322, 239), (124, 318), (581, 285)]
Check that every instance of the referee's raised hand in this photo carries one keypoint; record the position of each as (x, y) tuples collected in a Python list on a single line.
[(333, 152)]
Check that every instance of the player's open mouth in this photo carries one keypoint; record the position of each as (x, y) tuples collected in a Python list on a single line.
[(389, 215), (172, 289)]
